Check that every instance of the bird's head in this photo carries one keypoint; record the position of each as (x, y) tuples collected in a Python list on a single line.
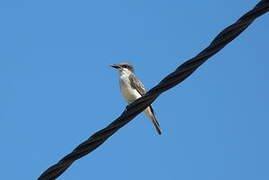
[(124, 68)]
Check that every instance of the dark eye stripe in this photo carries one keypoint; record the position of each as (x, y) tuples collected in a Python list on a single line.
[(127, 66)]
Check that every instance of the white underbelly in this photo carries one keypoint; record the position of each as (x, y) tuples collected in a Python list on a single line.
[(130, 94)]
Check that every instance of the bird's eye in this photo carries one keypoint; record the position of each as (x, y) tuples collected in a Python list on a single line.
[(124, 66)]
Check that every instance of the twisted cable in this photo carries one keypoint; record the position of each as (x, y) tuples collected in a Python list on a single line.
[(176, 77)]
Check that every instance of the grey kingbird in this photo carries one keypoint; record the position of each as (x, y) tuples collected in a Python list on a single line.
[(132, 89)]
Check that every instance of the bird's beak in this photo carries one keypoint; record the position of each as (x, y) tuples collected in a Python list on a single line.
[(116, 66)]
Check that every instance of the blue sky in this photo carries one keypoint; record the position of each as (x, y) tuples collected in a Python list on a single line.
[(57, 89)]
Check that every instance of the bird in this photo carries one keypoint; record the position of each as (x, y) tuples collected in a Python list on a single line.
[(132, 89)]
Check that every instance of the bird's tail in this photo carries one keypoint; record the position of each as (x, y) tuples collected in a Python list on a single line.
[(149, 111), (156, 124)]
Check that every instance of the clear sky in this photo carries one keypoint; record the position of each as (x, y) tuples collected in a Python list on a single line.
[(57, 89)]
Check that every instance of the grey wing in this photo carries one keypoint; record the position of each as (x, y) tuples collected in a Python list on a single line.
[(136, 84)]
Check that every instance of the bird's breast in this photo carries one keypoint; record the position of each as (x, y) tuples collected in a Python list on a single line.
[(128, 92)]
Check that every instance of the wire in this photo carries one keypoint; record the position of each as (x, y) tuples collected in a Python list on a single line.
[(180, 74)]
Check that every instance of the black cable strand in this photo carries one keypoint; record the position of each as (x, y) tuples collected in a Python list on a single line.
[(180, 74)]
